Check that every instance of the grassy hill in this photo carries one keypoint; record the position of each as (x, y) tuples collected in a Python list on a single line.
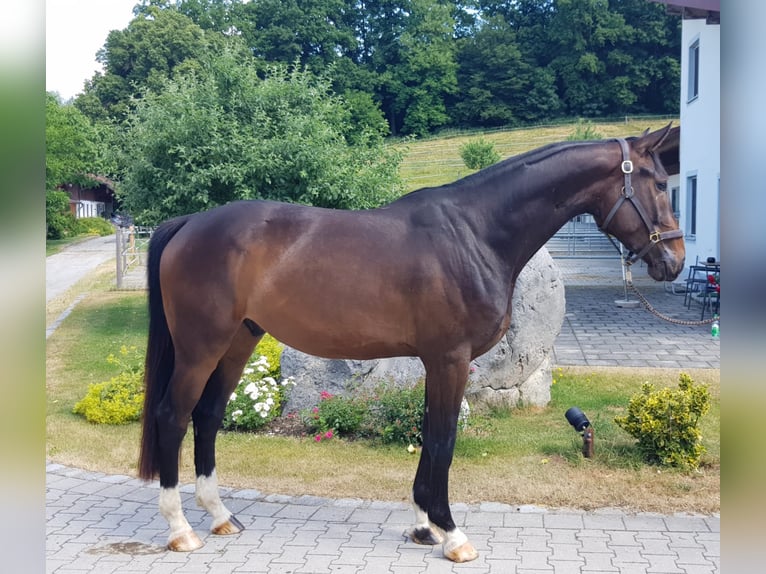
[(436, 161)]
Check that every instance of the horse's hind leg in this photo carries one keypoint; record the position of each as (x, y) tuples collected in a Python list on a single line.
[(184, 391), (207, 417)]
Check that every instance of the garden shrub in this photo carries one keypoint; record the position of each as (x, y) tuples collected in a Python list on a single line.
[(270, 348), (114, 402), (59, 220), (665, 422), (584, 130), (93, 226), (390, 414), (257, 399), (399, 414), (338, 415), (479, 154), (119, 400)]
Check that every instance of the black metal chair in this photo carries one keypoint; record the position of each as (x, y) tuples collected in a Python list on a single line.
[(711, 293), (696, 282)]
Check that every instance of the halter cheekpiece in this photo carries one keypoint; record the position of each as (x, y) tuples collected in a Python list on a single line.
[(626, 193)]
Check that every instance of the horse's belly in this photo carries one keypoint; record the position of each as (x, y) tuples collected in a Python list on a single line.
[(332, 327)]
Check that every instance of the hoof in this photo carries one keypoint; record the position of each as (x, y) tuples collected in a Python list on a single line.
[(185, 542), (231, 526), (425, 536), (463, 553)]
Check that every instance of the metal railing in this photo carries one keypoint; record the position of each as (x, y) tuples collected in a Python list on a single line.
[(580, 238), (132, 249)]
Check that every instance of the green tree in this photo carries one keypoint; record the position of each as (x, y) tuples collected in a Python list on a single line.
[(73, 155), (498, 86), (613, 57), (427, 72), (226, 134), (158, 43), (313, 32), (71, 144)]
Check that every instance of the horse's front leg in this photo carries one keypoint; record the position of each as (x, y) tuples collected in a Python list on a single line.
[(445, 384)]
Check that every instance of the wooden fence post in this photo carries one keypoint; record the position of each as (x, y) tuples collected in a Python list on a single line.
[(118, 241)]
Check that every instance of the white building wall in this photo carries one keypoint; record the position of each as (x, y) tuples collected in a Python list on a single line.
[(700, 151)]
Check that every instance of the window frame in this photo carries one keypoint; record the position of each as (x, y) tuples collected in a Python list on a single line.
[(693, 72), (691, 206)]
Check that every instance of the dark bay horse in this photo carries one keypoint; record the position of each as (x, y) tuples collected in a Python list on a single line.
[(429, 275)]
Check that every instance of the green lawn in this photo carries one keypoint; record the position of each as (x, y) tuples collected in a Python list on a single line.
[(528, 456), (436, 161)]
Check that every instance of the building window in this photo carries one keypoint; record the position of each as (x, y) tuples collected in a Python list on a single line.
[(694, 71), (675, 202), (691, 206)]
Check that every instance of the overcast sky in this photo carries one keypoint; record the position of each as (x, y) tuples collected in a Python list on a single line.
[(74, 31)]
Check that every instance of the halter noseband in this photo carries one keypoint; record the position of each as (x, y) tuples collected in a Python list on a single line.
[(627, 193)]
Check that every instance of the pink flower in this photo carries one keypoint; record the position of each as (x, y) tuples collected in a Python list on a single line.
[(324, 395), (318, 438), (328, 434)]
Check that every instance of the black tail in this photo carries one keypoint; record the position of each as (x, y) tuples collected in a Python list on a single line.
[(160, 354)]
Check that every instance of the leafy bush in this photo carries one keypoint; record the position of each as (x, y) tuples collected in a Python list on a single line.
[(399, 414), (114, 402), (391, 414), (665, 422), (93, 226), (584, 130), (479, 154), (270, 348), (336, 414), (120, 399), (257, 399), (241, 132), (59, 220)]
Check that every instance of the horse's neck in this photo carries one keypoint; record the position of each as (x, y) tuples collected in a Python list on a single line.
[(524, 203)]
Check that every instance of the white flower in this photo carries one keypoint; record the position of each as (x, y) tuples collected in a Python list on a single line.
[(258, 407), (269, 401), (264, 414), (233, 397), (236, 414), (249, 371), (270, 381), (465, 412), (262, 369), (266, 407), (250, 389)]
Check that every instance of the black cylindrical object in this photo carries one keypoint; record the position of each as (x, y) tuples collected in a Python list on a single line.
[(577, 419)]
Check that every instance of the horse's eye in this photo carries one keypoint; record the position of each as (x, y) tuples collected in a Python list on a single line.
[(662, 185)]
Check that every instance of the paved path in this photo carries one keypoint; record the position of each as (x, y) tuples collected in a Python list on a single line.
[(598, 332), (105, 523), (73, 263), (110, 524)]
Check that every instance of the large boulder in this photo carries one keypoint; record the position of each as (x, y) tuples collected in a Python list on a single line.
[(516, 371)]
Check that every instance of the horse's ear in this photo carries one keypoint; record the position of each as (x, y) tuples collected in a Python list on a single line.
[(650, 142)]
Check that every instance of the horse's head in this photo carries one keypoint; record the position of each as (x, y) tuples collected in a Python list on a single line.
[(638, 210)]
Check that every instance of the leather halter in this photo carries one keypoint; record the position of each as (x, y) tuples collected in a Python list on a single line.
[(626, 193)]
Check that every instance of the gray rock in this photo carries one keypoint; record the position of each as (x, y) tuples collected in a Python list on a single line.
[(516, 371)]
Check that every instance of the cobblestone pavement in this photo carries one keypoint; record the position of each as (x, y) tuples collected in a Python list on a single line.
[(110, 524), (598, 332)]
